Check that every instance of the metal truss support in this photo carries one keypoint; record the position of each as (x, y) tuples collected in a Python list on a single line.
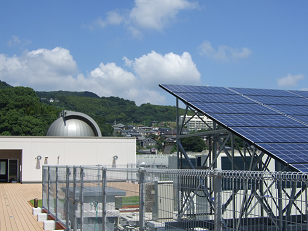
[(242, 156)]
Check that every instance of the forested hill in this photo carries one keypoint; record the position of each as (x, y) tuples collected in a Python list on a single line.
[(111, 109), (22, 114), (4, 85), (26, 112), (54, 94)]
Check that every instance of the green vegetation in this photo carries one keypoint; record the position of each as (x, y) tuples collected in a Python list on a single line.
[(22, 114), (238, 142), (55, 94), (4, 85), (111, 109), (39, 202), (133, 200), (193, 144)]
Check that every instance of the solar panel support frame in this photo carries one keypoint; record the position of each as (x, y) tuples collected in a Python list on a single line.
[(259, 161)]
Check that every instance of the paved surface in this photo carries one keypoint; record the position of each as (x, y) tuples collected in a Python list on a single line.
[(15, 211)]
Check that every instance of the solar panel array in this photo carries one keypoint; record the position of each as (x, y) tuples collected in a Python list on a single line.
[(276, 121)]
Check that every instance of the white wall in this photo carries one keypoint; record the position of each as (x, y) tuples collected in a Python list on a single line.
[(71, 151)]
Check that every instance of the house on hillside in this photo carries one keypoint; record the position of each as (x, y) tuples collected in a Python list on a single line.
[(148, 142)]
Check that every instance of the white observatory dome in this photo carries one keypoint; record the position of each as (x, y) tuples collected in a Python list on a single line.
[(74, 124)]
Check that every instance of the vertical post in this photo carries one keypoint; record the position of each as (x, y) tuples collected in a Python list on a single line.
[(81, 197), (279, 185), (217, 200), (57, 195), (177, 132), (67, 199), (306, 201), (74, 199), (234, 181), (98, 175), (48, 195), (104, 200), (43, 186), (179, 190), (214, 153), (141, 199)]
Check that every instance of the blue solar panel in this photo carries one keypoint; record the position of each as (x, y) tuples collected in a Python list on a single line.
[(301, 93), (197, 89), (251, 120), (272, 100), (263, 92), (274, 120), (234, 108), (273, 135), (291, 110), (301, 167), (289, 152), (214, 98), (304, 119)]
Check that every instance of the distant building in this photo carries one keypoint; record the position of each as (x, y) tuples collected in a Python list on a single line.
[(195, 123)]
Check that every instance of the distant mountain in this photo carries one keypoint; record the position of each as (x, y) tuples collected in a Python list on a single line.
[(55, 94)]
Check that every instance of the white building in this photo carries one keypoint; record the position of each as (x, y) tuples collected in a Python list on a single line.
[(73, 139), (196, 123)]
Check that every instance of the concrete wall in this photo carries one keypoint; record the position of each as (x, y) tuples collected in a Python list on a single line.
[(66, 151)]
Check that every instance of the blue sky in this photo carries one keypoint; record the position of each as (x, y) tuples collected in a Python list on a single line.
[(126, 48)]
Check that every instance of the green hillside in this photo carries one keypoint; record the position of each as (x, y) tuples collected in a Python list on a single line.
[(54, 94), (4, 85), (26, 112), (110, 109), (22, 114)]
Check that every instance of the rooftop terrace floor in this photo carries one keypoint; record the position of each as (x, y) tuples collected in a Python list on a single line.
[(15, 210)]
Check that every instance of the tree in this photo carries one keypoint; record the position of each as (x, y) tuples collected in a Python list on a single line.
[(22, 114), (194, 144)]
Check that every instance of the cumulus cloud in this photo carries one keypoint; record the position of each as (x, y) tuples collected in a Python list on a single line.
[(41, 68), (223, 53), (154, 68), (47, 70), (290, 80), (150, 14)]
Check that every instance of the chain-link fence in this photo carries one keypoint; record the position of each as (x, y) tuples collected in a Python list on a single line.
[(100, 198)]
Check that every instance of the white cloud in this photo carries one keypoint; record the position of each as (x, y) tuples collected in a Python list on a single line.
[(113, 18), (47, 70), (290, 80), (156, 14), (223, 53), (15, 41), (146, 14), (135, 32), (155, 68), (150, 70), (42, 69)]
